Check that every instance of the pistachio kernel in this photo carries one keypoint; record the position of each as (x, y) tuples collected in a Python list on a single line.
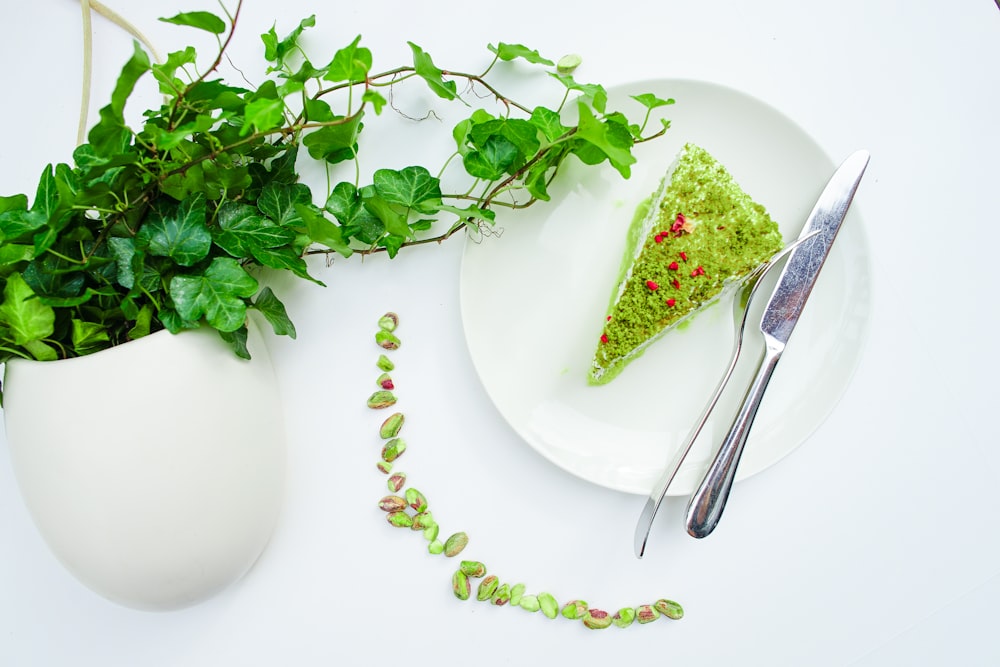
[(460, 585), (624, 617), (396, 481), (597, 619), (574, 609), (669, 608), (646, 613), (416, 500), (387, 340), (384, 467), (392, 504), (529, 603), (388, 322), (516, 591), (435, 547), (382, 398), (487, 587), (391, 426), (548, 605), (568, 63), (431, 533), (454, 544), (472, 568), (501, 596), (423, 520), (384, 381), (399, 519), (393, 449), (384, 363)]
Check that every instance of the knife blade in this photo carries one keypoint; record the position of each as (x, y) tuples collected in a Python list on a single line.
[(781, 314)]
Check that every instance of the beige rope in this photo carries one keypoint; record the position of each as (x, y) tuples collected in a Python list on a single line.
[(88, 53)]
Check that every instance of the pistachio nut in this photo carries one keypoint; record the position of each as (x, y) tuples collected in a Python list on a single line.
[(387, 340), (646, 613), (501, 596), (529, 603), (669, 608), (393, 449), (416, 500), (399, 519), (384, 363), (389, 321), (624, 617), (385, 381), (454, 544), (472, 568), (487, 587), (396, 481), (422, 520), (435, 547), (382, 398), (431, 533), (460, 584), (548, 605), (392, 504), (574, 609), (516, 591), (597, 619), (568, 63), (384, 467), (391, 426)]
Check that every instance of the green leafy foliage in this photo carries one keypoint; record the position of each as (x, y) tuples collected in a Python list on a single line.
[(168, 225)]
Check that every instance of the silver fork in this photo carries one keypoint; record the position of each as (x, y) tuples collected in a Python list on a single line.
[(745, 292)]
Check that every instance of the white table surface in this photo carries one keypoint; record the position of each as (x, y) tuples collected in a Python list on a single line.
[(874, 543)]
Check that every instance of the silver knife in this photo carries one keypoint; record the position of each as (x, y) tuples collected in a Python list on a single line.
[(781, 314)]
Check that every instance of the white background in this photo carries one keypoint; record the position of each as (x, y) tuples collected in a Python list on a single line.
[(875, 543)]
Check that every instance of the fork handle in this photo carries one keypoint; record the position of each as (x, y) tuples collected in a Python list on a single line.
[(705, 507)]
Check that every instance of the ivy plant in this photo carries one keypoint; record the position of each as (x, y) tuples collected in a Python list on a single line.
[(166, 226)]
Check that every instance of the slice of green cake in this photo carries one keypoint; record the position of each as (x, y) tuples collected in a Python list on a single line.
[(701, 232)]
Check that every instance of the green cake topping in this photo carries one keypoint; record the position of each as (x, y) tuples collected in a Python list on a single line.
[(699, 232)]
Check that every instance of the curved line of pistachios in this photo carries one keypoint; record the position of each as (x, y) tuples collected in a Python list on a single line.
[(490, 589)]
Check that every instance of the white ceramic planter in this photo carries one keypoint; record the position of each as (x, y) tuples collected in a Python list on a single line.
[(154, 470)]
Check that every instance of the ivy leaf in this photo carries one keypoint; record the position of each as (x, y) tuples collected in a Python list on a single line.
[(179, 233), (412, 187), (472, 214), (219, 295), (274, 312), (275, 50), (123, 250), (548, 122), (651, 101), (322, 231), (262, 114), (509, 52), (242, 231), (206, 21), (603, 138), (350, 63), (592, 92), (393, 221), (237, 341), (374, 98), (278, 201), (88, 337), (492, 161), (110, 135), (429, 72), (285, 259), (27, 318), (335, 143)]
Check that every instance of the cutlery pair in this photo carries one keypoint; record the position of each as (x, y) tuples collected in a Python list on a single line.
[(805, 258)]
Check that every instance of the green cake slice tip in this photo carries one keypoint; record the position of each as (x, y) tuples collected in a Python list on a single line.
[(700, 232)]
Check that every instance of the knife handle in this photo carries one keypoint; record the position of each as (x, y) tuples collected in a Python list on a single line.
[(705, 507)]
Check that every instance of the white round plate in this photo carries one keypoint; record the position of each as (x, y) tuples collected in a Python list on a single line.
[(534, 297)]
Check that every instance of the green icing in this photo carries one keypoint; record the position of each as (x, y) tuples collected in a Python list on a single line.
[(729, 235)]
